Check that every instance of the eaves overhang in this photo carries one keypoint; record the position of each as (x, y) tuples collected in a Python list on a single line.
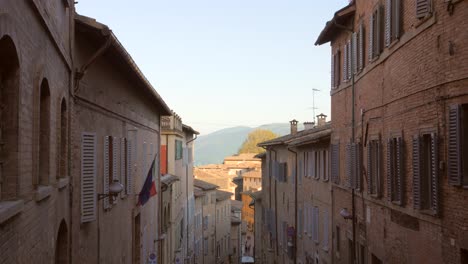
[(334, 26)]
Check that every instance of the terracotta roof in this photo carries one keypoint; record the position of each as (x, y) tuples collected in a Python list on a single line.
[(103, 32), (313, 135), (190, 129), (222, 195), (169, 179), (331, 27), (206, 186), (261, 155), (283, 139), (242, 157)]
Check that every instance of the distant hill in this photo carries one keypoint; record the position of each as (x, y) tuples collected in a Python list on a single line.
[(212, 148)]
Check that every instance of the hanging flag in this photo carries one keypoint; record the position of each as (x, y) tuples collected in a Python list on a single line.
[(149, 188)]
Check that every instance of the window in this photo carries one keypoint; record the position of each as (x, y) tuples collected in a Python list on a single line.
[(347, 59), (178, 149), (62, 159), (376, 260), (373, 167), (110, 168), (335, 70), (325, 230), (423, 8), (395, 170), (300, 225), (358, 48), (44, 134), (205, 246), (315, 224), (425, 172), (362, 254), (324, 165), (375, 33), (353, 165), (9, 88), (392, 21), (335, 163), (457, 160), (337, 239)]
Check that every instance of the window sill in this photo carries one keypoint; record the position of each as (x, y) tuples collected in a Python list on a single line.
[(8, 209), (42, 192), (63, 182)]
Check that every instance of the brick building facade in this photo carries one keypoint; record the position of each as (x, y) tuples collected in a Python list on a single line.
[(399, 78), (35, 77)]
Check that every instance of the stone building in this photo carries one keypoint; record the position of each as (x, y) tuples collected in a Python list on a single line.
[(36, 102), (208, 214), (295, 197), (223, 227), (115, 137), (399, 152), (237, 232), (177, 143)]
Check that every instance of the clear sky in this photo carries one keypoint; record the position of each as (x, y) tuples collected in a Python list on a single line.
[(223, 63)]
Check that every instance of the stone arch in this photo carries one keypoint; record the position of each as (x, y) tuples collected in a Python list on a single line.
[(61, 245), (9, 97)]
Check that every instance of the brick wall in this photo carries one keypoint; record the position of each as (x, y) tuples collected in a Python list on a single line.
[(407, 90)]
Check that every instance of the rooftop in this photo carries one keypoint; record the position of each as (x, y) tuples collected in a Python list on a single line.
[(205, 186), (222, 195)]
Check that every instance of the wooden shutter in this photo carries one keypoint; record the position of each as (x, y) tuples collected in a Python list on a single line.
[(106, 172), (378, 31), (337, 68), (88, 177), (350, 59), (325, 229), (115, 175), (300, 219), (399, 169), (335, 163), (378, 170), (396, 19), (129, 166), (358, 164), (333, 71), (390, 173), (371, 36), (300, 171), (454, 159), (370, 166), (388, 22), (349, 166), (361, 46), (123, 169), (354, 48), (423, 8), (434, 173), (416, 172), (345, 62), (315, 225)]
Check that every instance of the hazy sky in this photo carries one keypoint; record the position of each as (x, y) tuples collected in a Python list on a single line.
[(223, 63)]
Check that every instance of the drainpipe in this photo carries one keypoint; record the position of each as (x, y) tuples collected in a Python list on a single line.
[(353, 126), (295, 206), (186, 191)]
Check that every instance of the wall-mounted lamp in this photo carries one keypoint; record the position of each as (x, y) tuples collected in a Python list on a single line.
[(345, 213), (114, 189)]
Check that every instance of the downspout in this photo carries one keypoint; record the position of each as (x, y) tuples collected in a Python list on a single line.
[(295, 206), (186, 191), (353, 126)]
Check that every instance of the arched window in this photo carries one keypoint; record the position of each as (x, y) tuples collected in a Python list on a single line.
[(9, 83), (44, 133), (61, 245), (62, 141)]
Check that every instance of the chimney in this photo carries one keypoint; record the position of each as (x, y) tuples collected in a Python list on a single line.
[(308, 125), (321, 120), (293, 126)]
